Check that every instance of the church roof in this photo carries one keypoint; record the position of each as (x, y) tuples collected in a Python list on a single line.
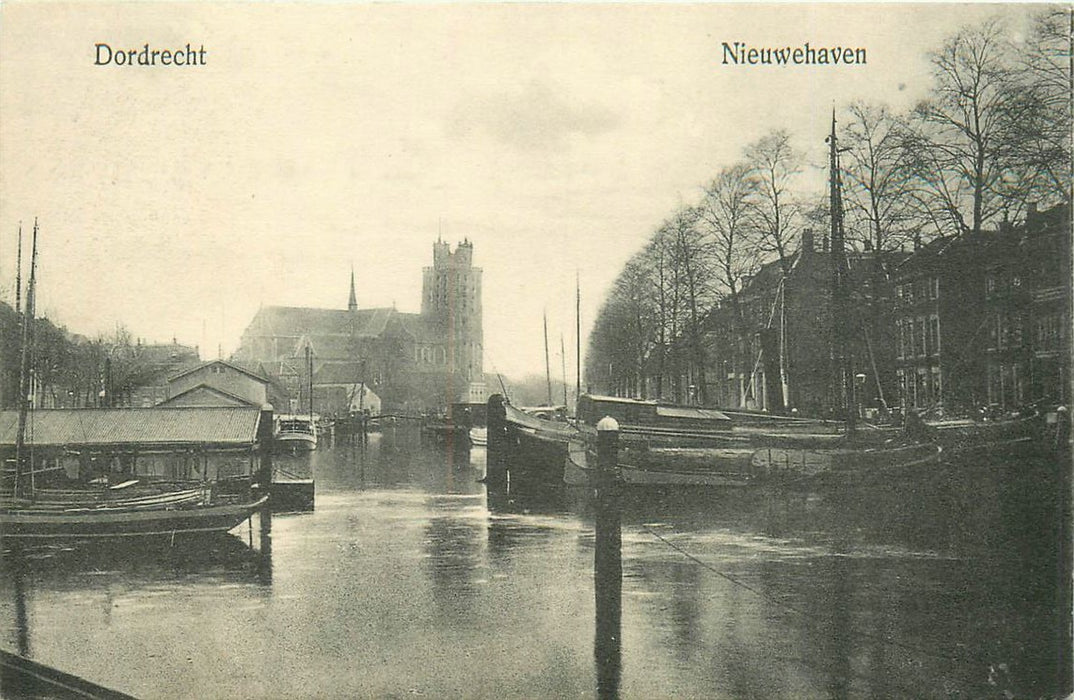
[(422, 328), (294, 321)]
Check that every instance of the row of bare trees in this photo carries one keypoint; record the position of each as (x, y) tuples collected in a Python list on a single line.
[(72, 372), (991, 137)]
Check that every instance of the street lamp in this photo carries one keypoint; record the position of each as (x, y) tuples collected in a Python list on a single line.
[(859, 380)]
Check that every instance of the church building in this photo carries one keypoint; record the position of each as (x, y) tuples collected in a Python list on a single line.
[(413, 362)]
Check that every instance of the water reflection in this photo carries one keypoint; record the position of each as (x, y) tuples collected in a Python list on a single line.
[(454, 562), (411, 578)]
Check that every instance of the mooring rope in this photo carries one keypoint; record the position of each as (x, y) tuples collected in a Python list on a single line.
[(964, 658)]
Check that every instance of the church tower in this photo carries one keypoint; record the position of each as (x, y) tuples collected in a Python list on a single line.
[(451, 299)]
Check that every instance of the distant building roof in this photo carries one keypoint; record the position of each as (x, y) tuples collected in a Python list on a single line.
[(338, 373), (423, 329), (299, 321), (134, 426), (237, 368), (204, 395)]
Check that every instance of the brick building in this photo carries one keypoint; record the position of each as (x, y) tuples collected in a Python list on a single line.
[(778, 355), (983, 321)]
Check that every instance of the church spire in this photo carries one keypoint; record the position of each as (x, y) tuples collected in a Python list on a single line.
[(352, 303)]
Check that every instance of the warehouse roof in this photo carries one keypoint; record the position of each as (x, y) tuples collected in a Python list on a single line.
[(134, 426)]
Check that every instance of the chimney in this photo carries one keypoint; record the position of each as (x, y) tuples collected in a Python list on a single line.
[(806, 246), (1031, 215)]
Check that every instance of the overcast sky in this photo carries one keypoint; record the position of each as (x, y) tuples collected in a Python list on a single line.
[(556, 137)]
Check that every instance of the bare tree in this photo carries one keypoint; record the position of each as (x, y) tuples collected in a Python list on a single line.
[(878, 177), (626, 332), (774, 163), (727, 215), (692, 260), (1041, 114), (957, 144)]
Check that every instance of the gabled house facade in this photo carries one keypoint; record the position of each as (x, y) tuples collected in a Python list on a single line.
[(983, 322)]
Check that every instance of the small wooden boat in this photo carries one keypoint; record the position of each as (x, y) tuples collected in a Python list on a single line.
[(41, 499), (124, 519)]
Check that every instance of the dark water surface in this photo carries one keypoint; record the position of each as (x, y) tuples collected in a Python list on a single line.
[(409, 580)]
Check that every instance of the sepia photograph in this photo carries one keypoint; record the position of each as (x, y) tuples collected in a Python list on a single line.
[(536, 350)]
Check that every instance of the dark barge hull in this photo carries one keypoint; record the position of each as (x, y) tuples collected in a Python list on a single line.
[(535, 449), (33, 524)]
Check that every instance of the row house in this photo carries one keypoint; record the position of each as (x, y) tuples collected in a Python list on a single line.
[(982, 321), (771, 349)]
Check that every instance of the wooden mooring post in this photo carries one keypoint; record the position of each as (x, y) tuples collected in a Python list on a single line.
[(607, 562)]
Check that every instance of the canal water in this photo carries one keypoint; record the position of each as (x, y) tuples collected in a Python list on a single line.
[(410, 580)]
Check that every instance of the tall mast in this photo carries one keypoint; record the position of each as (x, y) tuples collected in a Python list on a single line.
[(577, 340), (840, 322), (563, 361), (24, 373), (309, 375), (18, 274), (547, 365)]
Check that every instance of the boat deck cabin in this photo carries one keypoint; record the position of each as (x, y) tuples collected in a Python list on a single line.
[(287, 423), (636, 412)]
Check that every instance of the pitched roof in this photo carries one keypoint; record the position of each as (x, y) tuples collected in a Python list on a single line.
[(297, 321), (134, 426), (237, 368), (209, 396), (422, 328), (338, 373)]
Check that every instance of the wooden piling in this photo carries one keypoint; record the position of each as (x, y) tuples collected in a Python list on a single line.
[(607, 562)]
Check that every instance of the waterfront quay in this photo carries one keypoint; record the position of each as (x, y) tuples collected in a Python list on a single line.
[(410, 579)]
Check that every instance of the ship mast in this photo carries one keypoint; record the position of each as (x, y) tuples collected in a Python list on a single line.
[(309, 381), (21, 468), (563, 362), (577, 341), (844, 378), (547, 365)]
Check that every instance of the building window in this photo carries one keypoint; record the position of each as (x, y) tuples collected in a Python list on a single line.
[(1049, 332), (921, 387), (934, 335)]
